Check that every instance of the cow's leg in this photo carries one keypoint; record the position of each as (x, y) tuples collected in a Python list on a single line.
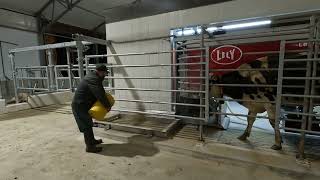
[(250, 120), (271, 114), (272, 122)]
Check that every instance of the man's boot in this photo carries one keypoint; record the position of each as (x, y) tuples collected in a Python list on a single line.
[(93, 140), (90, 147)]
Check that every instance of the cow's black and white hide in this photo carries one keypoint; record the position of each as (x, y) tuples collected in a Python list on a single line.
[(255, 93)]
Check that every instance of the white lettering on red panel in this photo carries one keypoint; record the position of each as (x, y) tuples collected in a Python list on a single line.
[(227, 54)]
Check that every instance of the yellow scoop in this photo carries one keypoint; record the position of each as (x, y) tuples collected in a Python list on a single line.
[(98, 111)]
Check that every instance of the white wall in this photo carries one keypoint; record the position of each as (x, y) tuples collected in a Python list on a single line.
[(154, 45), (12, 31), (160, 25), (17, 29), (22, 39)]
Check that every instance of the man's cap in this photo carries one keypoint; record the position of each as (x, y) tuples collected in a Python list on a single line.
[(101, 67)]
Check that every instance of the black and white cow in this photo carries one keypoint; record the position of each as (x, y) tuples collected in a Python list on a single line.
[(254, 93)]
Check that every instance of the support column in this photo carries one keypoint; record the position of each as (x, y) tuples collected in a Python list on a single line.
[(70, 75), (51, 70), (14, 76), (80, 58), (1, 92), (87, 64), (2, 70)]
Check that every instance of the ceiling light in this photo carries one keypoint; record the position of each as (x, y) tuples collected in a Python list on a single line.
[(188, 32), (211, 29), (249, 24)]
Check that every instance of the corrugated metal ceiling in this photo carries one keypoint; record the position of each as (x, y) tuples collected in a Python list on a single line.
[(89, 14)]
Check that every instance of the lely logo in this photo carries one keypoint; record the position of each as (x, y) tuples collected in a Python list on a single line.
[(227, 54)]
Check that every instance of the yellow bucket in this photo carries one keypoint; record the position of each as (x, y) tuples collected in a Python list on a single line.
[(98, 111)]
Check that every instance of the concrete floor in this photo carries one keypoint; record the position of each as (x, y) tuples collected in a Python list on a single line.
[(37, 145)]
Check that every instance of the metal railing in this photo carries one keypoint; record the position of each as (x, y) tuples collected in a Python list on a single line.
[(204, 79), (310, 95), (32, 79), (80, 41), (306, 32)]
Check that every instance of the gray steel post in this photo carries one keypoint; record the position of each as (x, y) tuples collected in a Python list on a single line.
[(314, 74), (48, 78), (201, 71), (306, 90), (22, 73), (51, 70), (56, 77), (174, 74), (29, 81), (1, 58), (202, 110), (207, 85), (1, 91), (80, 58), (87, 64), (97, 52), (201, 131), (14, 76), (69, 69), (279, 88)]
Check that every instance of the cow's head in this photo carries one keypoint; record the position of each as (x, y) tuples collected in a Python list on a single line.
[(256, 76), (244, 76)]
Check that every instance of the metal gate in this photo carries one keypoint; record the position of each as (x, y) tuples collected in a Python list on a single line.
[(32, 79), (202, 106), (288, 39), (44, 79), (306, 113)]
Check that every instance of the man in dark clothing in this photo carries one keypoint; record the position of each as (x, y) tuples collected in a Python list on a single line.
[(88, 92)]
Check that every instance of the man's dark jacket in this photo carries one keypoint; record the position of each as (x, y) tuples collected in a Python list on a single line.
[(88, 92)]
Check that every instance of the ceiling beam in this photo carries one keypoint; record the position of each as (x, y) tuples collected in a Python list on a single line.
[(98, 26), (44, 7), (63, 3), (65, 11), (69, 3), (18, 12), (68, 30), (89, 11), (62, 14)]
